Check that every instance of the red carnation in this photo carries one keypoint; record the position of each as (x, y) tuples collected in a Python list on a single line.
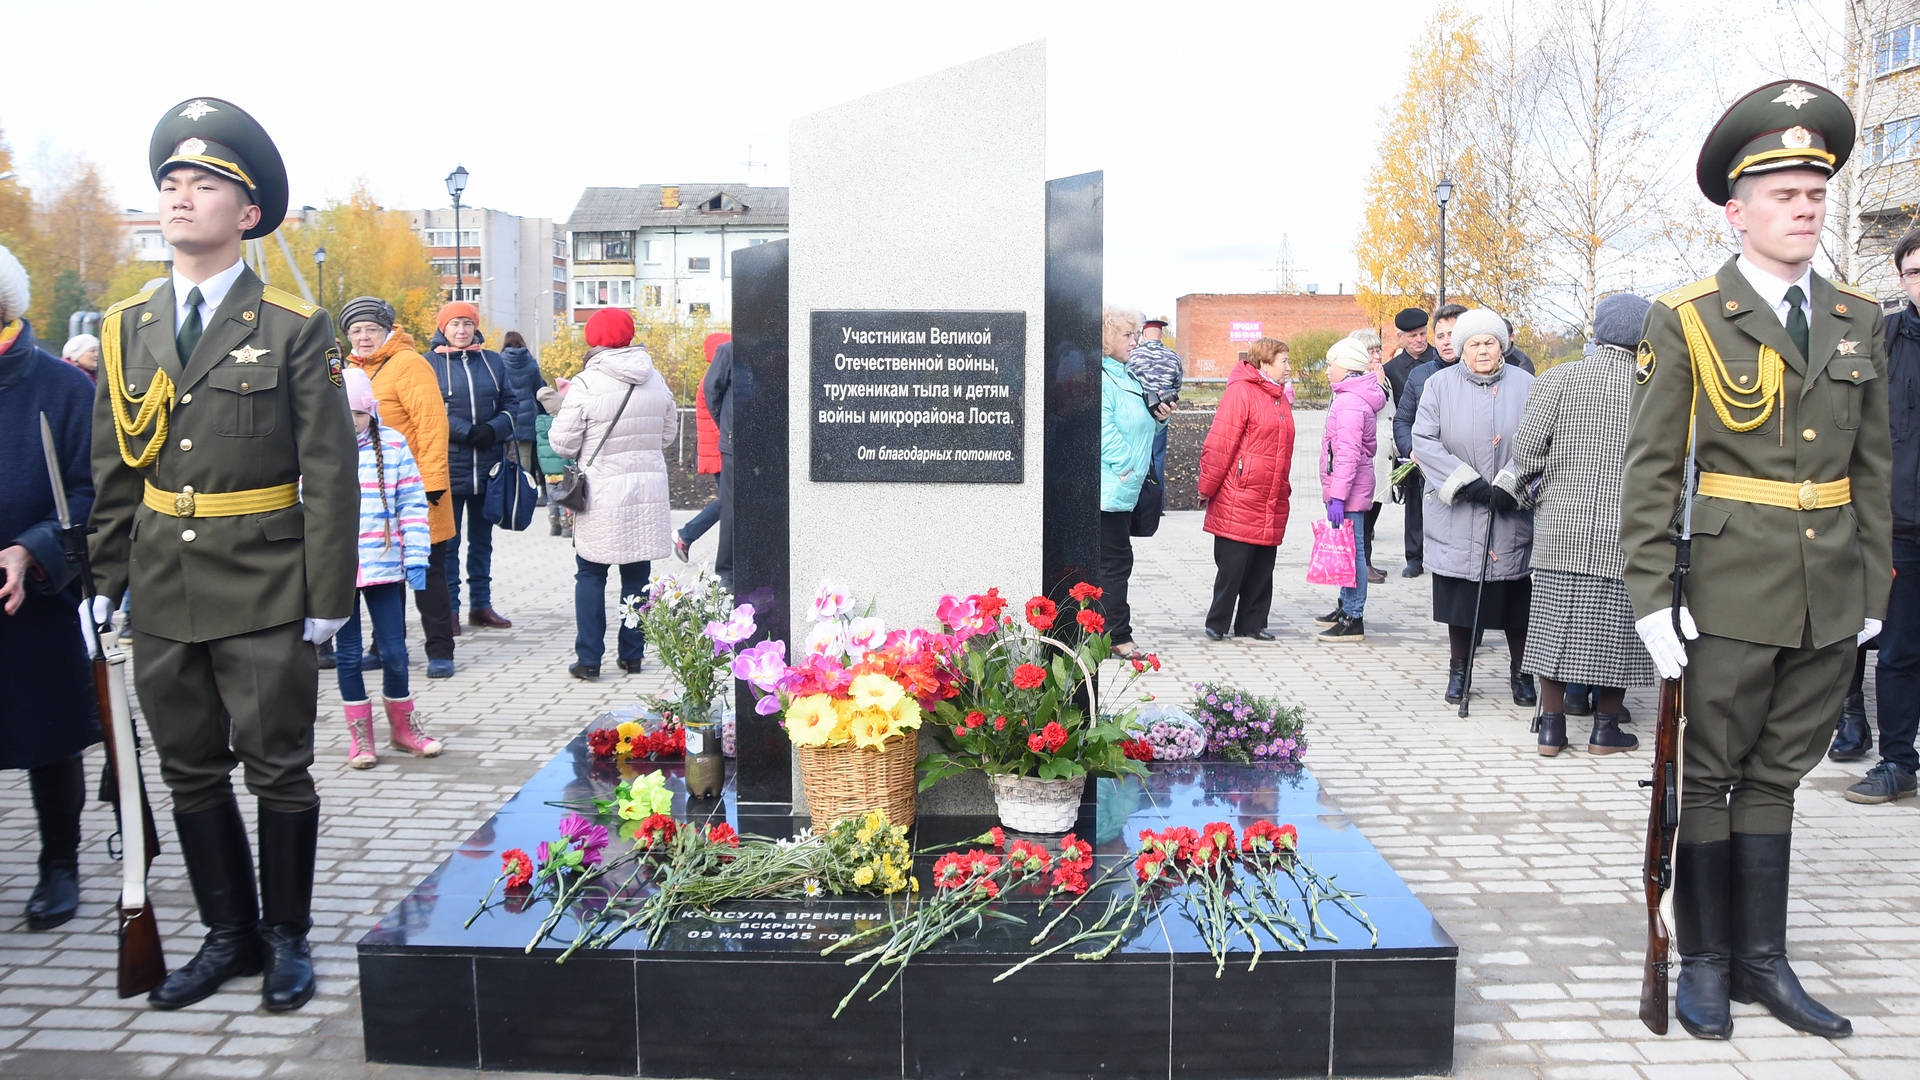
[(723, 834), (950, 871), (1149, 866), (990, 887), (999, 723), (991, 605), (657, 829), (1091, 621), (1067, 879), (1075, 853), (1041, 613), (1029, 676), (1085, 593), (999, 838), (517, 866), (1055, 735), (602, 742), (1137, 749), (974, 719), (1037, 742)]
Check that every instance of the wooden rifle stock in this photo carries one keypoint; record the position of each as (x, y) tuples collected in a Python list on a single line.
[(1663, 823)]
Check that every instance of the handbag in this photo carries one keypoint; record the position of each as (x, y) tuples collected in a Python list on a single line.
[(1145, 520), (1332, 560), (510, 493), (570, 490)]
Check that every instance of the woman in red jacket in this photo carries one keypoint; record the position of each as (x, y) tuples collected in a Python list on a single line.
[(707, 454), (1244, 484)]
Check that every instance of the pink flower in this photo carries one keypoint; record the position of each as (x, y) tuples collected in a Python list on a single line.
[(738, 628), (762, 664), (830, 602)]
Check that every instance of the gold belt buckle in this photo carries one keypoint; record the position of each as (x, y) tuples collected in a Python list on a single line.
[(1809, 496), (183, 502)]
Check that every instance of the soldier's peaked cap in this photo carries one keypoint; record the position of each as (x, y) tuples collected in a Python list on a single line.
[(220, 137), (1789, 124)]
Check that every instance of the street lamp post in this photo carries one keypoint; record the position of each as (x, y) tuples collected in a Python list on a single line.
[(320, 272), (457, 183), (1443, 194)]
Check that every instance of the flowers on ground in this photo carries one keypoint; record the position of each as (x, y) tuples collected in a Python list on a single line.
[(1244, 727), (516, 866)]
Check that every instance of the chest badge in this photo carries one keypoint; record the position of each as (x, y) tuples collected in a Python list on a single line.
[(1846, 348), (247, 354)]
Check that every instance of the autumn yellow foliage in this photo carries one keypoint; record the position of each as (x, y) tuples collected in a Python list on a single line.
[(677, 348), (371, 251)]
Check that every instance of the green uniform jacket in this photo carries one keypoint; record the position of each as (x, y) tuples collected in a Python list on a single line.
[(235, 426), (1763, 574)]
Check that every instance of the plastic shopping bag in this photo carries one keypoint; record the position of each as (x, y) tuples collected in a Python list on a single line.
[(1332, 561)]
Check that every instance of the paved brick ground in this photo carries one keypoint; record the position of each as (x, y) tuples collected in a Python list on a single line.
[(1528, 862)]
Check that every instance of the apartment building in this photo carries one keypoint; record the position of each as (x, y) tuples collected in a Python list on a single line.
[(1885, 35), (666, 248), (514, 269)]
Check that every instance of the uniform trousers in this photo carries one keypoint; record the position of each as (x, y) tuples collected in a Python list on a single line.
[(1242, 577), (249, 700), (1759, 717), (1896, 675)]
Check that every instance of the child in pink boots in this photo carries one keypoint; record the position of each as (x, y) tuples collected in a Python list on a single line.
[(394, 546)]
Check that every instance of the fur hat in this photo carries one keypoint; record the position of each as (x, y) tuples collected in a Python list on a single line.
[(610, 328), (15, 294), (1476, 321), (1619, 319), (1348, 354)]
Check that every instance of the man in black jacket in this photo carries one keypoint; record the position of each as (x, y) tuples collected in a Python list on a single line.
[(1406, 405), (1897, 674), (719, 390)]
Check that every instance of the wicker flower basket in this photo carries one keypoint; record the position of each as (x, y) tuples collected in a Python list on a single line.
[(845, 781)]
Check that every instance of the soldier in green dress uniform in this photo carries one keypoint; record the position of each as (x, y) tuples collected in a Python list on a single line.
[(1776, 377), (225, 463)]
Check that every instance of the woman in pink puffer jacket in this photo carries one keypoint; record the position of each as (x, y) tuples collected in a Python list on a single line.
[(1347, 449), (617, 418)]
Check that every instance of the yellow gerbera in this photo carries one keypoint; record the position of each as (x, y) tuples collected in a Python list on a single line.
[(628, 732), (843, 725), (811, 720), (906, 715), (875, 691), (871, 727)]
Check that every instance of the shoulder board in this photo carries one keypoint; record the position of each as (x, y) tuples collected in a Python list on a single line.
[(1861, 293), (132, 301), (1689, 293), (281, 299)]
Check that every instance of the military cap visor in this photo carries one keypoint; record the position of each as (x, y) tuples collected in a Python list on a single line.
[(1782, 125), (220, 137)]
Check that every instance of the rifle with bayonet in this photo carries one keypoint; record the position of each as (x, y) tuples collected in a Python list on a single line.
[(143, 965), (1663, 815)]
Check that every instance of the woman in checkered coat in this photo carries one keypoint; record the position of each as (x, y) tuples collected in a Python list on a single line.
[(1567, 460)]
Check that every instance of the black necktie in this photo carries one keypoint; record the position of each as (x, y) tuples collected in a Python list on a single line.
[(190, 328), (1797, 318)]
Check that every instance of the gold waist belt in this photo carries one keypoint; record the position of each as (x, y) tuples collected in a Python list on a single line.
[(188, 503), (1802, 496)]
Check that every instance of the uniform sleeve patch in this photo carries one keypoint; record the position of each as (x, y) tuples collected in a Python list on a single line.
[(1643, 370), (335, 371)]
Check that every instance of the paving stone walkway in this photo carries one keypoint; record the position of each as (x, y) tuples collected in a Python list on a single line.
[(1530, 863)]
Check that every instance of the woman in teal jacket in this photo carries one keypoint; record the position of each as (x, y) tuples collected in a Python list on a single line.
[(1127, 429)]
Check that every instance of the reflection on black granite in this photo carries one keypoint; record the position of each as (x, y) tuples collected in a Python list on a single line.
[(1070, 519), (1392, 1006)]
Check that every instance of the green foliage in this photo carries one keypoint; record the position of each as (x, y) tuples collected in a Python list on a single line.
[(677, 347), (1307, 356)]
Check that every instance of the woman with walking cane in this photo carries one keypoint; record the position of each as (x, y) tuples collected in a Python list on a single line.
[(1478, 541)]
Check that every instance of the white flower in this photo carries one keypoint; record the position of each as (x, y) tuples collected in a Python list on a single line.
[(865, 634), (829, 638), (830, 602)]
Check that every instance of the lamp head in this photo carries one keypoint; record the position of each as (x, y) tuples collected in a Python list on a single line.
[(457, 182), (319, 255), (1443, 192)]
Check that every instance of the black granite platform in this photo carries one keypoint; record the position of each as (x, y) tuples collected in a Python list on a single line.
[(750, 995)]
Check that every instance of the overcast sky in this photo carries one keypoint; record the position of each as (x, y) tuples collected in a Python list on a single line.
[(1224, 127)]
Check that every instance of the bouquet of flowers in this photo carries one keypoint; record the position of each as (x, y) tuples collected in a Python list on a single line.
[(1016, 710), (631, 739), (1172, 735), (694, 628), (1242, 727)]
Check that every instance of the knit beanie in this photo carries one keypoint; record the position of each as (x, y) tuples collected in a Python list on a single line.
[(1347, 354), (1477, 321), (610, 328), (1619, 320), (367, 309), (456, 309), (1409, 320), (713, 342), (77, 345), (360, 392), (14, 292)]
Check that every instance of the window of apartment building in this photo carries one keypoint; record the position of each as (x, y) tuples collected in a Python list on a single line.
[(446, 267), (699, 309), (1897, 48), (559, 273), (443, 238), (756, 241), (652, 250), (1896, 140), (602, 246), (650, 295), (471, 294), (603, 292), (697, 265)]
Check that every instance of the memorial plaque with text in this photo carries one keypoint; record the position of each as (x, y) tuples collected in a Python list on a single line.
[(919, 396)]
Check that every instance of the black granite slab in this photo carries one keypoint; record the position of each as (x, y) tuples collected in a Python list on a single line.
[(1070, 518), (437, 992)]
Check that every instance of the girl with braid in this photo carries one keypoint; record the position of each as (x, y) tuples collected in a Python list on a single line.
[(394, 543)]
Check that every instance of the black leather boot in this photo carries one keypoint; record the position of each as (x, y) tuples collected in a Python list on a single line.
[(1607, 738), (1855, 736), (1579, 699), (1760, 969), (1552, 727), (288, 842), (1456, 681), (220, 866), (1702, 914), (1523, 691), (59, 792)]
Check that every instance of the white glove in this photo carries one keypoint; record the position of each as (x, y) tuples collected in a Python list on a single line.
[(1872, 631), (319, 630), (92, 614), (1668, 651)]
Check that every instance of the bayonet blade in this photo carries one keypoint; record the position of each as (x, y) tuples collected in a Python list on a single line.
[(52, 455)]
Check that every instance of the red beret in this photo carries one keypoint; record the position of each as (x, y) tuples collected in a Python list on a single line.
[(610, 328)]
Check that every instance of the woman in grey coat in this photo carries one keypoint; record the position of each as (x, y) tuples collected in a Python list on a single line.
[(1567, 461), (1463, 440)]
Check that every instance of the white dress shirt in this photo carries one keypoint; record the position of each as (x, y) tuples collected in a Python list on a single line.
[(1774, 291), (212, 291)]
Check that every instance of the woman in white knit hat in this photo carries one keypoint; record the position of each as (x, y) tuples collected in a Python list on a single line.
[(1347, 448)]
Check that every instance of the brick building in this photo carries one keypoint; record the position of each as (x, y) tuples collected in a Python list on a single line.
[(1211, 330)]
